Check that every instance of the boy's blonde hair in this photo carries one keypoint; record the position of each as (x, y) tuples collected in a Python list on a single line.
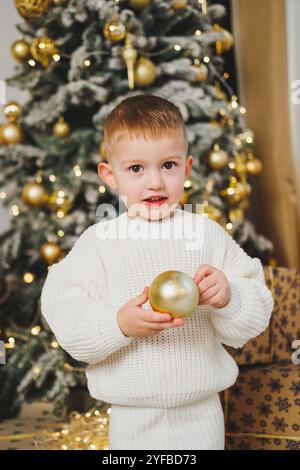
[(142, 115)]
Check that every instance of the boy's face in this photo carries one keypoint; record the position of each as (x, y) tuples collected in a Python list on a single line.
[(142, 168)]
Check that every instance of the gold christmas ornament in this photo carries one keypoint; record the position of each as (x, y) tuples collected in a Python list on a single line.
[(224, 44), (211, 212), (201, 72), (32, 8), (139, 4), (20, 50), (50, 252), (61, 128), (217, 158), (2, 140), (254, 166), (34, 194), (12, 111), (42, 50), (129, 55), (11, 133), (236, 214), (114, 30), (179, 4), (60, 201), (174, 292), (145, 72)]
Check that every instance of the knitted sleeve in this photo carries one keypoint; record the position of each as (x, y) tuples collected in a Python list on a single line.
[(248, 312), (73, 303)]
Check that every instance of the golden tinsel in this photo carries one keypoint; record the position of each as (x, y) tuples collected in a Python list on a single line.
[(88, 431)]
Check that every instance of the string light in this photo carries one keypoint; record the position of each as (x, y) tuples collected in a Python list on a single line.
[(242, 110), (56, 57), (60, 233), (28, 278), (206, 59), (31, 62), (198, 32), (187, 184), (177, 47), (15, 210), (2, 195), (102, 189), (77, 170), (60, 214), (54, 344), (10, 344), (87, 62), (36, 330), (52, 178)]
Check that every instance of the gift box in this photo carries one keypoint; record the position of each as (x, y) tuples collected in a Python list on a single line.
[(262, 409)]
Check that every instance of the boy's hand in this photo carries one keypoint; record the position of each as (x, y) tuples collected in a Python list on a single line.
[(138, 322), (213, 286)]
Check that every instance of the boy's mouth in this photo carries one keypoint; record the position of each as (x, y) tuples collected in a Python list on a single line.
[(156, 200)]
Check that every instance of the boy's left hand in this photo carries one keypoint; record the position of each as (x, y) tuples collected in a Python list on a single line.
[(213, 286)]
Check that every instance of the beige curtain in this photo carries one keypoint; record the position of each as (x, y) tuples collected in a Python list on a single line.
[(260, 47)]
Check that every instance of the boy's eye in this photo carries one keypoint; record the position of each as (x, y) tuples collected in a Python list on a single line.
[(135, 168), (169, 168)]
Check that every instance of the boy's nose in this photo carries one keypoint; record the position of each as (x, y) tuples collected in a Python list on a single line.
[(155, 180)]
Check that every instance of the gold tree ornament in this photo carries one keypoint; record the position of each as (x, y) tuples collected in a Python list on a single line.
[(224, 44), (43, 49), (236, 214), (145, 72), (32, 8), (12, 111), (217, 158), (139, 4), (114, 30), (20, 50), (61, 128), (50, 252), (60, 202), (201, 72), (253, 166), (11, 133), (129, 55), (174, 292), (34, 194), (179, 4)]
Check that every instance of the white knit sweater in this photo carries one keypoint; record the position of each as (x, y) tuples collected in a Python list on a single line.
[(110, 264)]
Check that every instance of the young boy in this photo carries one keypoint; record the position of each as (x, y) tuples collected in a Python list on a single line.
[(161, 375)]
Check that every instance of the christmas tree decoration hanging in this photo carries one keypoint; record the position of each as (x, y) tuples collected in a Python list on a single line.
[(236, 214), (129, 55), (139, 4), (20, 50), (145, 72), (223, 45), (11, 133), (253, 165), (12, 111), (43, 49), (217, 158), (50, 252), (174, 292), (61, 128), (114, 30), (34, 194), (201, 70), (60, 202), (179, 4), (32, 8)]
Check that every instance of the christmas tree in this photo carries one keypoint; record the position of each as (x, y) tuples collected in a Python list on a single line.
[(78, 59)]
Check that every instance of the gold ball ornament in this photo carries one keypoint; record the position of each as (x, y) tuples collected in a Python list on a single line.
[(139, 4), (61, 128), (2, 140), (60, 201), (174, 292), (20, 50), (114, 30), (32, 8), (201, 72), (11, 133), (50, 252), (217, 158), (34, 194), (224, 44), (42, 50), (145, 72), (179, 4), (236, 214), (254, 166), (12, 111)]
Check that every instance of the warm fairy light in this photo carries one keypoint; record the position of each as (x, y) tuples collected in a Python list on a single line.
[(36, 371), (52, 178), (61, 194), (60, 214), (231, 191), (231, 165), (77, 170), (10, 344), (67, 366), (226, 75), (206, 59), (15, 210), (177, 47), (187, 184), (102, 189), (56, 57), (36, 330), (242, 110), (108, 411), (229, 226), (31, 62), (198, 32), (222, 112), (28, 278), (60, 233), (87, 62), (234, 104), (54, 344), (2, 195), (249, 140)]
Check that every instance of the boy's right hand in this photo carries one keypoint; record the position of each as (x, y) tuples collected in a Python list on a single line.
[(138, 322)]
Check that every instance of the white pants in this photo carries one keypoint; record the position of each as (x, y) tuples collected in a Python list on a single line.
[(198, 426)]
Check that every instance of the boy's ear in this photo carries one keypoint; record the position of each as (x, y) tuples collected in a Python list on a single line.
[(188, 165), (106, 174)]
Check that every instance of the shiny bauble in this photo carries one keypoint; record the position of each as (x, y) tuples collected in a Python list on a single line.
[(145, 72), (20, 50), (201, 72), (224, 44), (32, 8), (236, 214), (34, 194), (139, 4), (174, 292), (50, 252), (11, 133), (217, 158), (60, 202), (254, 166), (114, 30), (61, 128), (12, 111), (42, 50), (178, 4)]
